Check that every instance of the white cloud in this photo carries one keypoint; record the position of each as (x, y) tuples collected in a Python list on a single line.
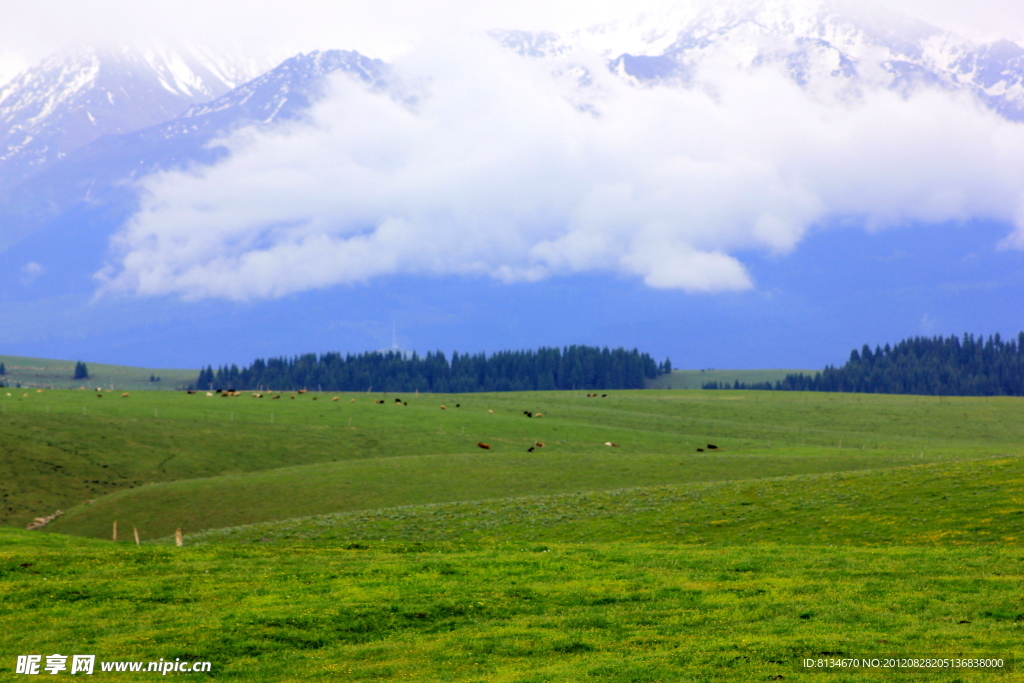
[(496, 171), (29, 272), (383, 28)]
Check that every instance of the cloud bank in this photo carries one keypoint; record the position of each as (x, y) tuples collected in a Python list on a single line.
[(489, 164)]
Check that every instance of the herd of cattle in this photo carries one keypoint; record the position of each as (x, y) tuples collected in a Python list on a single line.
[(397, 401)]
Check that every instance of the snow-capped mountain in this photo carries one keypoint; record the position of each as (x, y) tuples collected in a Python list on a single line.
[(75, 202), (831, 46), (73, 98)]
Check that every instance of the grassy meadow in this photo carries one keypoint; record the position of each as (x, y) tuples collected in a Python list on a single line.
[(49, 373), (367, 540)]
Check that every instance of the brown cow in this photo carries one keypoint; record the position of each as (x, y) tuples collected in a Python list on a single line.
[(335, 398), (483, 445), (124, 395)]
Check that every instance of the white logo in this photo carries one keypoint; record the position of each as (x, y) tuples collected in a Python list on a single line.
[(28, 664), (83, 664), (55, 663)]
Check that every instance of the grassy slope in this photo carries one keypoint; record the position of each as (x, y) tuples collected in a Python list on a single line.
[(694, 379), (54, 459), (616, 612), (368, 484), (977, 502), (50, 373)]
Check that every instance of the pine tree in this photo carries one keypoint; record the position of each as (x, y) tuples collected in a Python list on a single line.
[(81, 372), (3, 369)]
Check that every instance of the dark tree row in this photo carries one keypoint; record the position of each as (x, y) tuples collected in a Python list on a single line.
[(574, 367), (937, 366)]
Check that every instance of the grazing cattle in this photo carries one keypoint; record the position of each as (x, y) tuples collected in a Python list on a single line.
[(443, 408), (351, 400), (607, 443), (124, 395), (604, 395), (615, 445), (538, 414), (314, 398), (302, 391), (276, 397), (527, 413), (335, 398), (189, 391), (483, 445), (257, 395), (712, 447), (700, 450), (530, 449), (398, 400), (490, 411), (209, 393), (538, 444), (292, 397), (99, 395), (458, 405)]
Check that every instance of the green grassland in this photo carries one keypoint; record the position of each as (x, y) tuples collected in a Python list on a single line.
[(59, 374), (695, 379), (363, 541), (65, 448), (617, 612)]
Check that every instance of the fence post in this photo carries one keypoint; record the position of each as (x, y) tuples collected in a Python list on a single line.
[(136, 530), (178, 540), (115, 529)]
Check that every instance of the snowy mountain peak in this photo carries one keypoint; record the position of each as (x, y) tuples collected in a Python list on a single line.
[(74, 97), (831, 47)]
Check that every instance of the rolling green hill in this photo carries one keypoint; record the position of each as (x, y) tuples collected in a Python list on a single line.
[(59, 374), (974, 502), (65, 448)]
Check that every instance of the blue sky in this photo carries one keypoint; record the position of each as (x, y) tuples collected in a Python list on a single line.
[(752, 226)]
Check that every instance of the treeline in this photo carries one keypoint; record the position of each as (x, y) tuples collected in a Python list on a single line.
[(936, 366), (574, 367)]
